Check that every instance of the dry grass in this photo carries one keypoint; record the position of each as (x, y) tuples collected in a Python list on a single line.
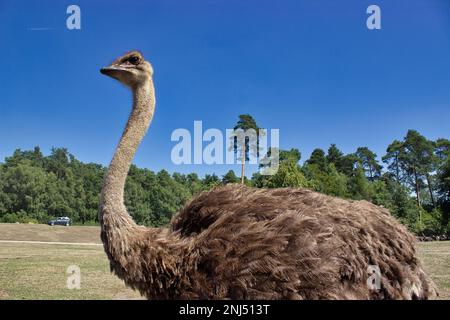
[(42, 232), (436, 259), (38, 271)]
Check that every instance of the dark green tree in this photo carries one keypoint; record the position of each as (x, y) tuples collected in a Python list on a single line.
[(418, 160), (230, 177), (210, 181), (393, 159), (369, 163), (318, 158), (242, 144), (358, 185), (334, 155)]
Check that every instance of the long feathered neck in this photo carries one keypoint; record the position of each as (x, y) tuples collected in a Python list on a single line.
[(116, 223), (147, 259)]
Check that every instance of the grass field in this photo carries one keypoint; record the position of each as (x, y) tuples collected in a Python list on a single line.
[(38, 270)]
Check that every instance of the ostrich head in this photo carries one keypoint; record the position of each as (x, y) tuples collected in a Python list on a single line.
[(130, 69)]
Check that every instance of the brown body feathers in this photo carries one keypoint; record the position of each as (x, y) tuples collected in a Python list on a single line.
[(236, 242)]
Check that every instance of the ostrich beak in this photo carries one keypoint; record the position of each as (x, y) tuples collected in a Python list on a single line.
[(115, 72), (110, 70)]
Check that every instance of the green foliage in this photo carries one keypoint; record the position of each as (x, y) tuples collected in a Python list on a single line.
[(443, 190), (415, 186), (392, 159), (334, 155), (34, 188), (358, 185), (318, 158), (289, 174), (368, 161), (429, 223), (328, 181), (258, 180), (230, 177), (293, 155)]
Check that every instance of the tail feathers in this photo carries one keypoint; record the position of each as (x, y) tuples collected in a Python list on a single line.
[(419, 287), (424, 288)]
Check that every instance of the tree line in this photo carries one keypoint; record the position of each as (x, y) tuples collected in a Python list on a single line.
[(414, 184)]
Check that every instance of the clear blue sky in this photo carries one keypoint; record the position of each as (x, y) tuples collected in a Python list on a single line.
[(308, 67)]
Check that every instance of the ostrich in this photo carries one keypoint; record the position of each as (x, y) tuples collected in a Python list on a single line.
[(236, 242)]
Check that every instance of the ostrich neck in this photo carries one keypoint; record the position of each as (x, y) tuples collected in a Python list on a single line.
[(134, 251), (113, 213)]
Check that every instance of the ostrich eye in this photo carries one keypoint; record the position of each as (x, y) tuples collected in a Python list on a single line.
[(134, 60)]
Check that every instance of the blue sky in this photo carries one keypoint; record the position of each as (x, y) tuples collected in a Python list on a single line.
[(310, 68)]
